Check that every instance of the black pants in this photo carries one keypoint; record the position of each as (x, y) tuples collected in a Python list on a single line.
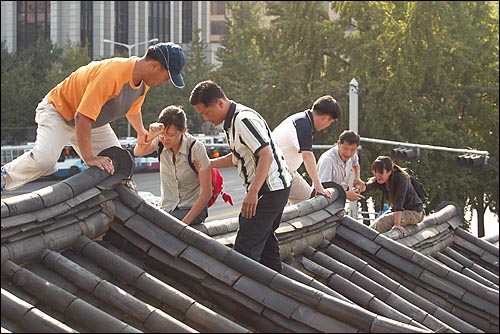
[(256, 237), (181, 213)]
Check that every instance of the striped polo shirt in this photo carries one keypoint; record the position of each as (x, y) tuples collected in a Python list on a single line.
[(247, 133)]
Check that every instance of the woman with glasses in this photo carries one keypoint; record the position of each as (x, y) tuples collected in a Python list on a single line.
[(184, 192), (407, 208)]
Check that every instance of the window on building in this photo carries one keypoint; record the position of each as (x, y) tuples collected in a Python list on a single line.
[(187, 21), (217, 7), (217, 27), (159, 20), (121, 26), (87, 22), (33, 23)]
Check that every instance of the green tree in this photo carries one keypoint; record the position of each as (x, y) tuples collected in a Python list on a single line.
[(428, 73), (23, 87), (74, 55), (301, 62), (197, 69), (242, 64)]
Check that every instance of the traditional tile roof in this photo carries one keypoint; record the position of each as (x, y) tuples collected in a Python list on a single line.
[(90, 255)]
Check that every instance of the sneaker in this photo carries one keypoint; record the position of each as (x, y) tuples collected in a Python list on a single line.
[(4, 176)]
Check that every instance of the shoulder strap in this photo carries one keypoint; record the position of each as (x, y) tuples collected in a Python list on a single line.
[(160, 149), (190, 155)]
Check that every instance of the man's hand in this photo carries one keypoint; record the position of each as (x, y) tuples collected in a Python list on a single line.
[(249, 205), (359, 185), (354, 195), (319, 190), (400, 229), (103, 163)]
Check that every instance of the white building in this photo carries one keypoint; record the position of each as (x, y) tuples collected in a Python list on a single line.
[(132, 23)]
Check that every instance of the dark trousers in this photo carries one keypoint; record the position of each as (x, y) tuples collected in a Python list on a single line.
[(181, 213), (256, 237)]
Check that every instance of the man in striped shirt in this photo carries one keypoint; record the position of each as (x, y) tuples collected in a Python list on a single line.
[(261, 165)]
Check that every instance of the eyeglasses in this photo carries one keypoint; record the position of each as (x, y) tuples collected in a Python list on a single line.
[(167, 62), (170, 135)]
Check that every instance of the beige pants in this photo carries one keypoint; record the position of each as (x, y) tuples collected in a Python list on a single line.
[(300, 189), (52, 135), (385, 222)]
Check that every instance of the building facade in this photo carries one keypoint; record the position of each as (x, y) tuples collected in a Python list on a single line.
[(104, 24)]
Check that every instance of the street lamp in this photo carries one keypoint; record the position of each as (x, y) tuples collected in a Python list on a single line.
[(130, 47)]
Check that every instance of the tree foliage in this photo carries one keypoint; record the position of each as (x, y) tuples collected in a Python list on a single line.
[(427, 74)]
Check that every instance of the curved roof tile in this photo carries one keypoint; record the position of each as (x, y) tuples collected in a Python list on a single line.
[(89, 254)]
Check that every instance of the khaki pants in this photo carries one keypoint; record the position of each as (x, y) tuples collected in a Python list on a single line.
[(300, 189), (52, 135), (386, 221)]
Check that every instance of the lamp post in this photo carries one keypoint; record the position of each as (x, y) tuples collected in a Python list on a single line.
[(129, 48)]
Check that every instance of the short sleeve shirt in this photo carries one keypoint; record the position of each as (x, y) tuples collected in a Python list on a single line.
[(332, 168), (180, 184), (102, 90), (247, 133), (294, 135)]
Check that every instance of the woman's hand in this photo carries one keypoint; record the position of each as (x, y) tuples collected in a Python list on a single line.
[(155, 129)]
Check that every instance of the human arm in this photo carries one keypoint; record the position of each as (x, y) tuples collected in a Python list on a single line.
[(145, 149), (148, 147), (358, 184), (249, 205), (83, 127), (397, 223), (205, 177), (398, 184), (136, 121), (310, 165), (370, 185), (222, 162), (354, 195)]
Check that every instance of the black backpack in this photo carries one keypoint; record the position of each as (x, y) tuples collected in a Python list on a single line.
[(418, 185), (160, 149)]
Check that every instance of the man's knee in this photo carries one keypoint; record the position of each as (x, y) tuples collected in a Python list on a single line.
[(45, 160)]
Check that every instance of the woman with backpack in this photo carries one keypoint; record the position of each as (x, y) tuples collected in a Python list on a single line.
[(406, 206), (184, 191)]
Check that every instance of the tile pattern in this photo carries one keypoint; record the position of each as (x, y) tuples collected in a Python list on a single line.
[(90, 255)]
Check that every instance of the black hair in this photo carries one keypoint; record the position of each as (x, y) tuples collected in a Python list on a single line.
[(206, 92), (384, 162), (327, 105), (349, 136), (173, 115)]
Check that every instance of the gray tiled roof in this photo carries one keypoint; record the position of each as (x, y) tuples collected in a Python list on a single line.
[(90, 255)]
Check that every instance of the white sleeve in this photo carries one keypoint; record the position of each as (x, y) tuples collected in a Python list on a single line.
[(325, 169)]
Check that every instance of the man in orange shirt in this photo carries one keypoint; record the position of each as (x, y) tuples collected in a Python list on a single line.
[(79, 109)]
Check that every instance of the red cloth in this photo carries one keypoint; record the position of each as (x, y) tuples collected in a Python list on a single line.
[(217, 188)]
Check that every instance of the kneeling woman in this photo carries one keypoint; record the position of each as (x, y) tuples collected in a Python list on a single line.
[(406, 207), (184, 192)]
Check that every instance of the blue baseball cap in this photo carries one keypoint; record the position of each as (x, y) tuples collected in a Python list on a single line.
[(173, 58)]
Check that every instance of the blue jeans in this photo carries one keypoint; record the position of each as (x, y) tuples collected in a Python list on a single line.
[(181, 213), (256, 237)]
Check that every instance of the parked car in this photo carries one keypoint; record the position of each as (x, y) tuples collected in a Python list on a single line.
[(69, 167)]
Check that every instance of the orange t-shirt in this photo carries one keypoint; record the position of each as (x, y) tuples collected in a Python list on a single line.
[(102, 90)]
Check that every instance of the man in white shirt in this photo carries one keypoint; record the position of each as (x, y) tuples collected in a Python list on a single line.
[(294, 136), (340, 164)]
